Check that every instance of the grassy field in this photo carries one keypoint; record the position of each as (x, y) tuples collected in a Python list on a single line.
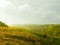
[(30, 35)]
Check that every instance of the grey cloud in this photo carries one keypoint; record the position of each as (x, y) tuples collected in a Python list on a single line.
[(37, 11)]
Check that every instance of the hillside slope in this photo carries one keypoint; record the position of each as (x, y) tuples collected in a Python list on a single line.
[(46, 35)]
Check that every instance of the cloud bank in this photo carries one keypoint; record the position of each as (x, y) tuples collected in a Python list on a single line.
[(30, 11)]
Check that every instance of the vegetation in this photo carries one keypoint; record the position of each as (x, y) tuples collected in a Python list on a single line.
[(3, 24), (35, 35)]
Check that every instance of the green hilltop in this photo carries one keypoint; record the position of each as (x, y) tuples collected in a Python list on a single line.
[(3, 24)]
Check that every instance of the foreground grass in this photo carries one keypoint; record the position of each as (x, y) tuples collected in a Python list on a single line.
[(17, 36), (48, 35)]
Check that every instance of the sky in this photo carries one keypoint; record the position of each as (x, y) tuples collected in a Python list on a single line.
[(30, 11)]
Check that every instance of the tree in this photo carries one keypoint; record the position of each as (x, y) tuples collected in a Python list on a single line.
[(3, 24)]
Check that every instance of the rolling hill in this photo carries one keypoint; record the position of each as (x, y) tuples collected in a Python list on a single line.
[(34, 35)]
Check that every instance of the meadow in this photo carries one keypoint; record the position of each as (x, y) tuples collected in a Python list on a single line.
[(30, 35)]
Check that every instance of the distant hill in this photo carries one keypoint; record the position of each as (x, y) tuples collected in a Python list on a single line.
[(41, 28), (37, 27)]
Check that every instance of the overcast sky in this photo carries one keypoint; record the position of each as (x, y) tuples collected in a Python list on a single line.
[(30, 11)]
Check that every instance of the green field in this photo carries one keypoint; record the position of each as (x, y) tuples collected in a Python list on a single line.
[(30, 35)]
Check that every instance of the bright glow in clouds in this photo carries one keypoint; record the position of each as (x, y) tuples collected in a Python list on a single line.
[(23, 6), (11, 19), (4, 4), (30, 12)]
